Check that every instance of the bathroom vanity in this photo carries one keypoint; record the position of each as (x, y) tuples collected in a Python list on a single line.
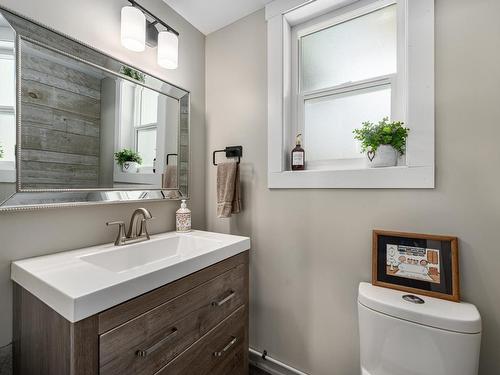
[(176, 304)]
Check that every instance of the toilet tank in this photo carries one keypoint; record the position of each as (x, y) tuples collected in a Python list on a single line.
[(403, 337)]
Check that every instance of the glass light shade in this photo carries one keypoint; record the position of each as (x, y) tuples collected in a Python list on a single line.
[(168, 50), (133, 29)]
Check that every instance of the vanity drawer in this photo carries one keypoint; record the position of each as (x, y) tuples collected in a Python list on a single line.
[(219, 352), (146, 343)]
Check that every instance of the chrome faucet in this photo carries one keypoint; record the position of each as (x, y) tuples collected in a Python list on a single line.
[(137, 229)]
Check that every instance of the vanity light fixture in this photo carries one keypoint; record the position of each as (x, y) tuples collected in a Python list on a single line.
[(133, 29), (168, 50), (140, 27)]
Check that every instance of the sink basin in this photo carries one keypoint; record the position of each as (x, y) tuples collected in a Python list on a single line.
[(80, 283), (136, 255)]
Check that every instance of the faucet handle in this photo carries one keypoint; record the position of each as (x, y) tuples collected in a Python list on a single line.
[(115, 223), (143, 229), (120, 238)]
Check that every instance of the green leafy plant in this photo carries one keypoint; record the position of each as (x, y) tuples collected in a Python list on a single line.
[(373, 135), (127, 155), (1, 152), (132, 73)]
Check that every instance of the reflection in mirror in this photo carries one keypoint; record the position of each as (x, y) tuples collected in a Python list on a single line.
[(79, 127), (7, 110), (84, 127)]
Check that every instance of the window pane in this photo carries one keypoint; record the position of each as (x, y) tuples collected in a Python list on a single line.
[(146, 146), (329, 122), (355, 50), (7, 86), (149, 107), (8, 136)]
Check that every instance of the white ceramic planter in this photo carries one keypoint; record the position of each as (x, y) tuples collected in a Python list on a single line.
[(385, 156), (130, 167)]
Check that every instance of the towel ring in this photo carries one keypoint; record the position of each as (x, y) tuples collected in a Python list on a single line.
[(231, 152), (169, 155)]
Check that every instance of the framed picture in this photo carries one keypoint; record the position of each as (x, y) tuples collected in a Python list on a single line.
[(416, 263)]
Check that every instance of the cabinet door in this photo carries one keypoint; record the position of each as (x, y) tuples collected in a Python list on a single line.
[(147, 343), (219, 352)]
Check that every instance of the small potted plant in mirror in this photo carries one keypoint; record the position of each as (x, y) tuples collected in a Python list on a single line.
[(383, 143), (132, 73), (128, 160)]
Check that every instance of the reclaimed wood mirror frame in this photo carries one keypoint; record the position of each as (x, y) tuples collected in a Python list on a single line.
[(27, 30)]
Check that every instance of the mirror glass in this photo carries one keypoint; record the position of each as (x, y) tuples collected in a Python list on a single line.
[(7, 110), (77, 126), (83, 127)]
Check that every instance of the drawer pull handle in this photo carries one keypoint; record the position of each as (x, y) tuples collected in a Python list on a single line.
[(224, 300), (226, 348), (151, 349)]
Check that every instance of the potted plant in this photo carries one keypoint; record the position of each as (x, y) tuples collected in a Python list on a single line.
[(1, 152), (129, 160), (132, 73), (383, 142)]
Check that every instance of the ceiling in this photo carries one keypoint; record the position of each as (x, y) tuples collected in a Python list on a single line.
[(211, 15)]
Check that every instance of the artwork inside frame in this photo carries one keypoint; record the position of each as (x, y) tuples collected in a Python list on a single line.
[(416, 263)]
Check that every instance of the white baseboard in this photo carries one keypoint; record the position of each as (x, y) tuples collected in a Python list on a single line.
[(271, 365)]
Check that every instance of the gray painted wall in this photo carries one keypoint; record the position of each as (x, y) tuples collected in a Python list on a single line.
[(311, 248), (97, 23)]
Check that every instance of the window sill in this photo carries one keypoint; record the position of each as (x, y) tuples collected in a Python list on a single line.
[(401, 177), (137, 178)]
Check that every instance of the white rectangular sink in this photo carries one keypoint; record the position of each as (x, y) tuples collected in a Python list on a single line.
[(80, 283), (174, 248)]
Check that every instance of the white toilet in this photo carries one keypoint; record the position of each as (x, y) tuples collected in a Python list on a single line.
[(403, 336)]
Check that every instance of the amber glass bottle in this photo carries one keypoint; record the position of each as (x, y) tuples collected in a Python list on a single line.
[(298, 156)]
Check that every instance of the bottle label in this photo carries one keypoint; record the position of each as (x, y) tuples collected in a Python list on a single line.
[(183, 222), (298, 158)]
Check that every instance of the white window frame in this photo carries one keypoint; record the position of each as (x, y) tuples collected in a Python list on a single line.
[(412, 95), (300, 96)]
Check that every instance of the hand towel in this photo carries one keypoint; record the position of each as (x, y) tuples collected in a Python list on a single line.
[(228, 189), (170, 177)]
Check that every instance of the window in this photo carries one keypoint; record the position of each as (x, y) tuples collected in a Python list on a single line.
[(329, 121), (7, 112), (146, 144), (147, 126), (333, 65), (355, 50), (345, 74)]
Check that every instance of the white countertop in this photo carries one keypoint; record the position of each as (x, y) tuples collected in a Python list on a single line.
[(80, 283)]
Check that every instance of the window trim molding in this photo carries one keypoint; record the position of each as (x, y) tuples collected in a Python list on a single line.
[(281, 16)]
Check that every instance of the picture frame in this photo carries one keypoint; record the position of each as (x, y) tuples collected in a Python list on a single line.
[(417, 263)]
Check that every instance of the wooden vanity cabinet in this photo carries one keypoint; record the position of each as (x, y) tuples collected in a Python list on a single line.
[(196, 325)]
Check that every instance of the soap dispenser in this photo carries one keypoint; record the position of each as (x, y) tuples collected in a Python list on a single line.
[(183, 218)]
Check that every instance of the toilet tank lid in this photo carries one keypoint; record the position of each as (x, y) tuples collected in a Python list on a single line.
[(459, 317)]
